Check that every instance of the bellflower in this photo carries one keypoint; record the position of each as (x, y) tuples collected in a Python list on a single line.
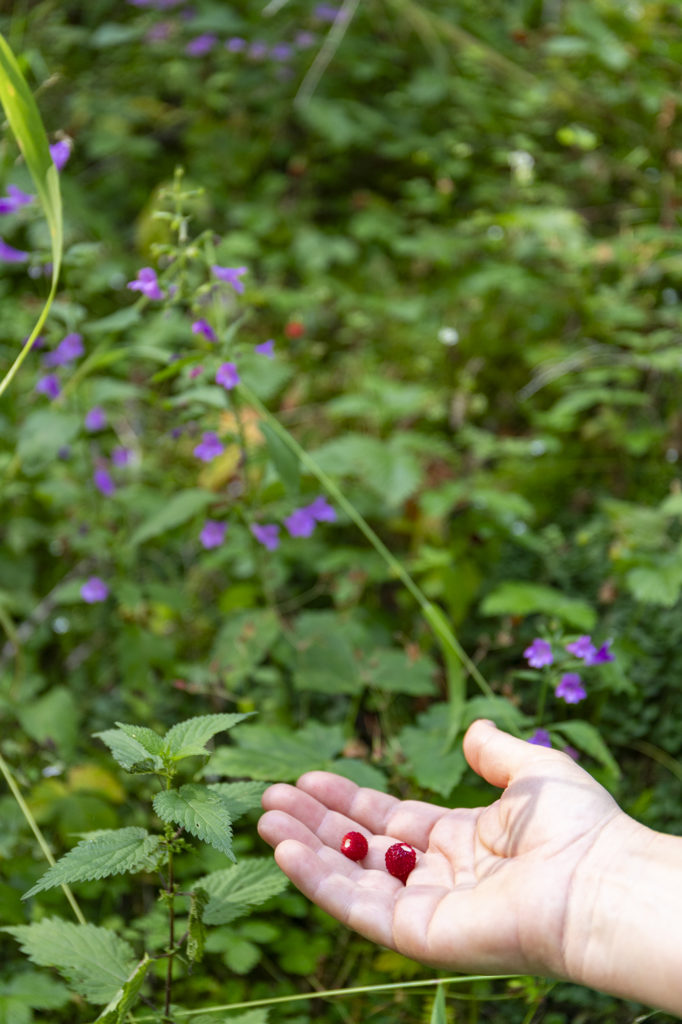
[(209, 447), (202, 326), (281, 51), (147, 283), (49, 385), (600, 655), (236, 44), (60, 153), (94, 590), (301, 523), (228, 376), (570, 688), (231, 275), (305, 40), (103, 481), (266, 348), (212, 534), (539, 653), (8, 254), (541, 738), (322, 511), (95, 419), (68, 349), (582, 647), (201, 45), (266, 534), (14, 200), (121, 456), (258, 50)]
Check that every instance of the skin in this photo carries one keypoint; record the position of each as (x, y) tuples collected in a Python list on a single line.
[(553, 878)]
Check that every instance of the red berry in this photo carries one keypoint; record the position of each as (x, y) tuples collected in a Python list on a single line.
[(400, 859), (294, 329), (354, 846)]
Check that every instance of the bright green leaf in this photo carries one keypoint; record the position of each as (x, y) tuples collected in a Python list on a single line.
[(190, 737), (126, 997), (248, 883), (200, 811), (108, 853)]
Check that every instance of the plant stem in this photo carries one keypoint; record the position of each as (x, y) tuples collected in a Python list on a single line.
[(171, 926)]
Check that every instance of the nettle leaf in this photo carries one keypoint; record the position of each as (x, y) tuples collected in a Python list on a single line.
[(246, 884), (196, 936), (188, 738), (240, 796), (274, 756), (126, 997), (147, 738), (108, 853), (129, 752), (173, 512), (200, 811), (94, 960)]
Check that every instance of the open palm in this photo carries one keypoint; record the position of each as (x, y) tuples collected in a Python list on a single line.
[(490, 890)]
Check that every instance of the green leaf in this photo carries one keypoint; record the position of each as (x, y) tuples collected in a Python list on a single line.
[(108, 853), (498, 710), (14, 1011), (147, 738), (282, 458), (174, 512), (190, 737), (200, 811), (361, 773), (516, 598), (43, 433), (659, 586), (426, 747), (438, 1014), (585, 737), (129, 753), (264, 753), (243, 642), (248, 883), (95, 960), (117, 1010), (259, 1015), (324, 661), (394, 671), (196, 930), (24, 119), (241, 797), (39, 991)]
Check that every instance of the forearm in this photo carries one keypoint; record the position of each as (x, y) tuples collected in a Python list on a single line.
[(624, 923)]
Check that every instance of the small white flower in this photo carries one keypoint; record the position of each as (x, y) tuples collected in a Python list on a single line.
[(448, 336)]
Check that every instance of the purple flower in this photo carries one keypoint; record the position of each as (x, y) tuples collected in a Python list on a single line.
[(95, 419), (212, 534), (121, 456), (300, 523), (201, 45), (60, 153), (209, 447), (281, 51), (236, 44), (228, 376), (202, 326), (598, 657), (103, 482), (94, 590), (572, 752), (322, 511), (231, 275), (539, 653), (49, 385), (326, 12), (195, 372), (258, 50), (160, 32), (582, 647), (147, 283), (266, 534), (8, 254), (14, 199), (305, 40), (68, 349), (541, 738), (266, 348), (570, 688)]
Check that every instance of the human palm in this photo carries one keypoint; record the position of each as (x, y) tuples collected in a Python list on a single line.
[(491, 887)]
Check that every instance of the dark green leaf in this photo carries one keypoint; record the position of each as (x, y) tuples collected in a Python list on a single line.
[(200, 811)]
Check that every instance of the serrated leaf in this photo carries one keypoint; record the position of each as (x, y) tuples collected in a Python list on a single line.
[(174, 512), (201, 812), (129, 753), (246, 884), (274, 756), (147, 738), (585, 737), (108, 853), (190, 737), (196, 930), (95, 960), (126, 997), (241, 797)]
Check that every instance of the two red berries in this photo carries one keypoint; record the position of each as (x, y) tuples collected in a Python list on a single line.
[(400, 858)]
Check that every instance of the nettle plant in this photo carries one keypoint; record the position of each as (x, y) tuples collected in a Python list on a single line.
[(100, 965)]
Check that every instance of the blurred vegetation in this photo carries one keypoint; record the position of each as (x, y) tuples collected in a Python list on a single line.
[(465, 240)]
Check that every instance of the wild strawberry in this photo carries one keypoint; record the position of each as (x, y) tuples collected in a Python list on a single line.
[(294, 329), (400, 859), (354, 846)]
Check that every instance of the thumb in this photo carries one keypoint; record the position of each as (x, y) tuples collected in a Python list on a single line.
[(495, 755)]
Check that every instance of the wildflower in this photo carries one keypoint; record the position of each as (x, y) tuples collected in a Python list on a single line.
[(231, 275), (582, 647), (281, 51), (570, 688), (539, 653), (14, 199), (94, 590), (49, 385), (236, 44), (103, 482), (541, 738), (601, 655), (160, 32), (228, 376), (201, 45), (448, 336), (68, 349), (121, 456), (8, 254), (294, 329), (147, 283), (209, 447), (195, 372), (322, 511), (95, 419), (202, 326), (266, 534), (60, 153), (266, 348), (300, 523), (257, 50), (326, 12), (572, 752), (305, 40), (212, 534)]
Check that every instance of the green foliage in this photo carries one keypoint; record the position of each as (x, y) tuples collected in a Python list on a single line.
[(116, 1011), (201, 812), (107, 853)]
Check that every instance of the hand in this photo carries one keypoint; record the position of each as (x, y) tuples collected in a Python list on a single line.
[(492, 889)]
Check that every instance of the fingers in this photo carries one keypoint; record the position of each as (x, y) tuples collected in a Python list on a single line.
[(495, 755)]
